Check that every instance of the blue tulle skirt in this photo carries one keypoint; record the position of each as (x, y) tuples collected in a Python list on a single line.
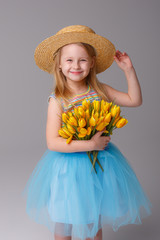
[(71, 200)]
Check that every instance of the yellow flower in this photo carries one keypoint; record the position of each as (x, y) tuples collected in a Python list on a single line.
[(83, 132), (78, 129), (87, 114), (96, 115), (102, 104), (106, 131), (80, 135), (121, 123), (89, 131), (81, 111), (100, 120), (69, 139), (71, 129), (92, 112), (85, 104), (116, 120), (97, 105), (62, 134), (64, 117), (70, 114), (115, 111), (92, 121), (82, 122), (72, 121), (66, 131), (76, 111), (94, 104), (101, 126), (106, 106), (108, 117)]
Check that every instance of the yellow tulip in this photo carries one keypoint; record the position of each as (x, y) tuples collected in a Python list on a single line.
[(62, 134), (69, 139), (76, 111), (106, 106), (87, 114), (100, 120), (96, 115), (106, 131), (71, 129), (118, 111), (92, 121), (64, 117), (116, 120), (80, 135), (83, 132), (67, 132), (78, 129), (97, 105), (72, 121), (101, 126), (85, 104), (102, 104), (70, 114), (121, 123), (81, 111), (94, 105), (92, 112), (82, 122), (115, 111), (89, 131), (108, 117)]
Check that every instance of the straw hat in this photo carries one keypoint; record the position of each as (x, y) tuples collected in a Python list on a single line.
[(77, 33)]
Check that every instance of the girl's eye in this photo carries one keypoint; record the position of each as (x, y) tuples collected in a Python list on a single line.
[(83, 60), (69, 60)]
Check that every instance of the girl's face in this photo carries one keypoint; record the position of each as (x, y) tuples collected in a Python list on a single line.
[(75, 62)]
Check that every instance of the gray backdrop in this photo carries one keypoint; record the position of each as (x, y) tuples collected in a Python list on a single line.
[(133, 26)]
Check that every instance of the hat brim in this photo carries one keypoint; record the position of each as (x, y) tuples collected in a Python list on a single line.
[(44, 52)]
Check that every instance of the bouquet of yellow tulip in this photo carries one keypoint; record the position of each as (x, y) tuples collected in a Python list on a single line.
[(84, 121)]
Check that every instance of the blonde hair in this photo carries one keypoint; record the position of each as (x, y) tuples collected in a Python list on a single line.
[(62, 89)]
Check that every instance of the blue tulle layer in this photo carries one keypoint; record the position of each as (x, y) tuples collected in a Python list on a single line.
[(63, 194)]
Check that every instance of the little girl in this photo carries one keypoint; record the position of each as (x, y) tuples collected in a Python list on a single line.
[(62, 192)]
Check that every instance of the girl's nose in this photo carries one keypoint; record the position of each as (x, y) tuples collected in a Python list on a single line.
[(76, 64)]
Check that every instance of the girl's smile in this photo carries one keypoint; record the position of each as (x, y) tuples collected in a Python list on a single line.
[(75, 62)]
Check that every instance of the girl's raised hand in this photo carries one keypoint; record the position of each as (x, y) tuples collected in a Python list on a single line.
[(123, 60)]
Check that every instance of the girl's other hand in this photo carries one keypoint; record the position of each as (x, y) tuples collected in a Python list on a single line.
[(100, 142), (123, 60)]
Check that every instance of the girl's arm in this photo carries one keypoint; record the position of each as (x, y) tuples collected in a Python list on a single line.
[(57, 143), (134, 96)]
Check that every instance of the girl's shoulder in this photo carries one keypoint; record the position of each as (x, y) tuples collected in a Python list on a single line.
[(52, 95)]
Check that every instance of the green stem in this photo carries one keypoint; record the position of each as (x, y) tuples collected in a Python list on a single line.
[(100, 165), (95, 153), (89, 155)]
